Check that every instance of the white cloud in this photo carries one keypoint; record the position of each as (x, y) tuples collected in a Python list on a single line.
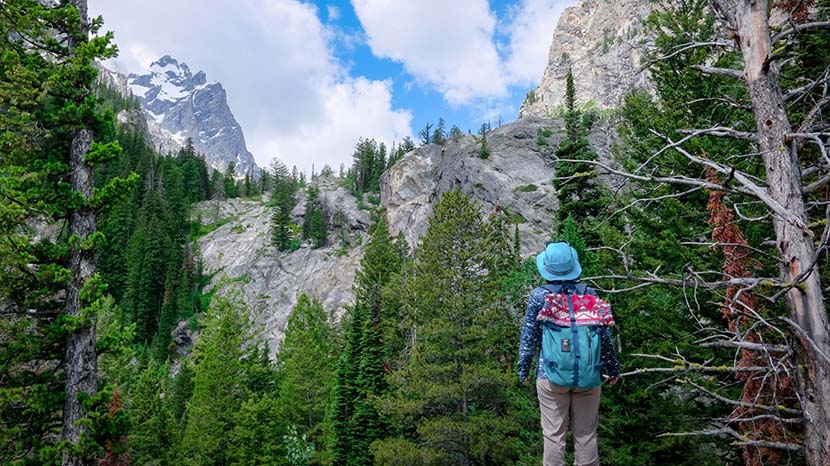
[(334, 13), (352, 107), (530, 31), (447, 45), (451, 47), (274, 59)]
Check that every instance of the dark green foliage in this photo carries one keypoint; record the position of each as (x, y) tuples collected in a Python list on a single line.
[(154, 435), (305, 363), (314, 221), (439, 136), (450, 398), (153, 271), (425, 134), (483, 150), (46, 100), (370, 160), (114, 101), (572, 127), (361, 368), (229, 181), (283, 189), (578, 192), (230, 388)]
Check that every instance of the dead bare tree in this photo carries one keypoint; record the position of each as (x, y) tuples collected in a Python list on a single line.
[(802, 354), (748, 23)]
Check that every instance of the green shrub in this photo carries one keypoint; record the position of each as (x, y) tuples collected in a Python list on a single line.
[(528, 188)]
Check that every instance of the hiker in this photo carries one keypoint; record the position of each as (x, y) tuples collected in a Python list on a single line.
[(568, 321)]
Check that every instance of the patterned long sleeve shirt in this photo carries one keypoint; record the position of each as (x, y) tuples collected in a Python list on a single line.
[(531, 339)]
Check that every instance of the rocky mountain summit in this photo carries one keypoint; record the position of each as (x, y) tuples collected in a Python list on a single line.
[(180, 105), (515, 178), (601, 42)]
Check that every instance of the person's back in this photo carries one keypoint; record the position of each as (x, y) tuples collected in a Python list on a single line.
[(570, 401)]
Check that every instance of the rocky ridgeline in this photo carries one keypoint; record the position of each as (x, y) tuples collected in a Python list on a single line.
[(516, 178), (602, 42), (178, 105), (181, 105)]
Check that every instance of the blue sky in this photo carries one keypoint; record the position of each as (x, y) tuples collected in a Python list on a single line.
[(307, 79)]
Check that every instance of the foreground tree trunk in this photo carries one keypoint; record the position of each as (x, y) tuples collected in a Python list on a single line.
[(80, 355), (749, 24)]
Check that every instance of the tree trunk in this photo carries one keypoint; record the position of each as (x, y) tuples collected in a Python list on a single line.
[(749, 22), (80, 355)]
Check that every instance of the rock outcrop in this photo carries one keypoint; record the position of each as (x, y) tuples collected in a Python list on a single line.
[(241, 259), (601, 41), (516, 178)]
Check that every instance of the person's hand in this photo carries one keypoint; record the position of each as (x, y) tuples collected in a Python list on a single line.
[(526, 381), (613, 380)]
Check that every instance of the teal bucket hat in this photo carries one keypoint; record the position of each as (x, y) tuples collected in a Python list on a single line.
[(558, 262)]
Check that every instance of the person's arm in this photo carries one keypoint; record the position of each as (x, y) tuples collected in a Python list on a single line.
[(531, 332), (610, 362)]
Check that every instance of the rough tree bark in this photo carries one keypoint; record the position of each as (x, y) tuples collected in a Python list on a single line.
[(749, 24), (80, 355)]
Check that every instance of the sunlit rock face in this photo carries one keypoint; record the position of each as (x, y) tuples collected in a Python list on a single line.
[(601, 41)]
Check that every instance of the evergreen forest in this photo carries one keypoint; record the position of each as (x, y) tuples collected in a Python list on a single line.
[(705, 225)]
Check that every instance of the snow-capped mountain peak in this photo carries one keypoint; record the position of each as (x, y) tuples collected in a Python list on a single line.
[(186, 105)]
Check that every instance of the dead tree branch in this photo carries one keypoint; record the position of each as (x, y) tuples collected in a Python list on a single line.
[(743, 404), (799, 28)]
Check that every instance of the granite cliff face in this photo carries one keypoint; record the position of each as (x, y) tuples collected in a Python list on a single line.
[(242, 260), (601, 41), (516, 178), (180, 105)]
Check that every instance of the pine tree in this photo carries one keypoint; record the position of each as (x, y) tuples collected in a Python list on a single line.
[(314, 222), (578, 192), (572, 127), (53, 137), (407, 146), (282, 199), (148, 253), (483, 146), (305, 363), (361, 368), (218, 385), (154, 436), (451, 395), (439, 136), (344, 391), (256, 438), (229, 181), (425, 135)]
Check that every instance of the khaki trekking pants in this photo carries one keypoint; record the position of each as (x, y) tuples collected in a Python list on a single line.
[(559, 405)]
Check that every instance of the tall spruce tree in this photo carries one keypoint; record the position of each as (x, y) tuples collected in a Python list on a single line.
[(578, 192), (52, 137), (451, 397), (362, 366), (218, 385), (154, 435), (305, 363), (283, 189), (314, 221)]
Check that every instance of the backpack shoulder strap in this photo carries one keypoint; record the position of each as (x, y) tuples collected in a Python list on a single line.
[(552, 288)]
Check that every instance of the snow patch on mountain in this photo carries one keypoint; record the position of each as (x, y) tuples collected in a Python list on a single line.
[(181, 105)]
